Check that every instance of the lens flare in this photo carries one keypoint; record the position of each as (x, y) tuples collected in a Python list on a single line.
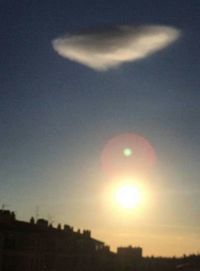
[(127, 154)]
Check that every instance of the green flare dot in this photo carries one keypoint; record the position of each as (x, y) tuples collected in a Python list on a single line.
[(127, 152)]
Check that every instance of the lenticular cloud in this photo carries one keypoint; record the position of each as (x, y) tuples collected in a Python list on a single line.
[(109, 48)]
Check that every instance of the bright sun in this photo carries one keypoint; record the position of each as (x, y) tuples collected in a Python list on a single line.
[(127, 196)]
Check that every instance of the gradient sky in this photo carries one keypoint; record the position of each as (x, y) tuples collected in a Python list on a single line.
[(57, 115)]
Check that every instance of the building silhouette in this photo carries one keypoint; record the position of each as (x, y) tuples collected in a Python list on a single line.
[(37, 246), (129, 258)]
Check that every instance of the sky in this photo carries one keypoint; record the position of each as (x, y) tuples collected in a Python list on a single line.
[(75, 74)]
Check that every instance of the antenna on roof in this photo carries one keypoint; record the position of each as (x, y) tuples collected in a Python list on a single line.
[(4, 206), (37, 212), (50, 219)]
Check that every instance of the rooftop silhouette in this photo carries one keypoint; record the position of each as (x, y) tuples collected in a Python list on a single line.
[(37, 245)]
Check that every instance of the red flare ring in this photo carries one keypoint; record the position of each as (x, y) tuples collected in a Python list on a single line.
[(141, 159)]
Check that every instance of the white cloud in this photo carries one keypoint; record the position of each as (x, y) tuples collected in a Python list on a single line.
[(109, 48)]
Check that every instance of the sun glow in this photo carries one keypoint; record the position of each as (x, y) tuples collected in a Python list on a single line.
[(127, 196)]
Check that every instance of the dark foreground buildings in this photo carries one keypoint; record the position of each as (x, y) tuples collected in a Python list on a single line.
[(37, 246)]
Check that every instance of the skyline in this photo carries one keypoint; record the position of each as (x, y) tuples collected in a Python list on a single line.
[(57, 116)]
